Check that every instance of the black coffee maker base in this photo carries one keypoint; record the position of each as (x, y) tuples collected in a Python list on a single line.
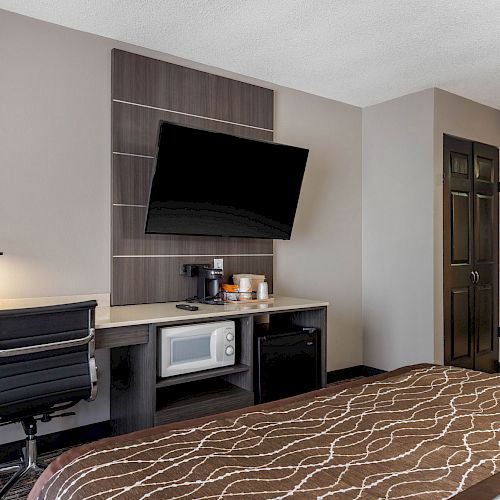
[(212, 302)]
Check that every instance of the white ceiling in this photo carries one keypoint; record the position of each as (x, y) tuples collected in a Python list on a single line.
[(356, 51)]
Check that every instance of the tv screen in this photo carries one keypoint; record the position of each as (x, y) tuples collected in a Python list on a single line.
[(209, 183)]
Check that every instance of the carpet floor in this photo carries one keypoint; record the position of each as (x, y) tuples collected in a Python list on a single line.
[(22, 488)]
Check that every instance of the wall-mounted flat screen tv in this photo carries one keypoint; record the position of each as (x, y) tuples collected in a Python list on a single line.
[(210, 183)]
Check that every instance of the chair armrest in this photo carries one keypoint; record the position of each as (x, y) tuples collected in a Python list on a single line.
[(31, 349)]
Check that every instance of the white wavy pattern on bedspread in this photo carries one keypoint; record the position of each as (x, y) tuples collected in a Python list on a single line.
[(428, 433)]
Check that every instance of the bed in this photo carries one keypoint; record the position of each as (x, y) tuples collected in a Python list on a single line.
[(422, 431)]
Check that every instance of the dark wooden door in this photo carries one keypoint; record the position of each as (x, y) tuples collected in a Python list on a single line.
[(485, 257), (470, 254), (458, 253)]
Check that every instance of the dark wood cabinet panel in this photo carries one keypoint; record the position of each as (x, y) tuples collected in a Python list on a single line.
[(135, 129), (470, 254), (140, 399), (144, 80), (145, 91), (131, 179), (129, 239), (107, 338), (132, 284), (133, 392)]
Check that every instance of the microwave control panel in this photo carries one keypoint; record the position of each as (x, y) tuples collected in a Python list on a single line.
[(229, 340)]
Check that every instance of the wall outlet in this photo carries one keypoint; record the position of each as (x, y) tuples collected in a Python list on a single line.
[(218, 263)]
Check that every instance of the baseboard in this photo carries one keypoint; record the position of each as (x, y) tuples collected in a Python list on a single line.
[(57, 440), (352, 372)]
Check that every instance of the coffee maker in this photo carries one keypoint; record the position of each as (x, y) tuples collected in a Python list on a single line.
[(209, 280)]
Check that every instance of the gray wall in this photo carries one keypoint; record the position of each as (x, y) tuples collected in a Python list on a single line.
[(323, 258), (403, 220), (398, 252), (55, 180)]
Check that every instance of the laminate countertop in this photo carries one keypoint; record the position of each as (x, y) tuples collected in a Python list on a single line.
[(117, 316)]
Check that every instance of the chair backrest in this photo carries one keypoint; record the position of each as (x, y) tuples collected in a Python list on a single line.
[(46, 358)]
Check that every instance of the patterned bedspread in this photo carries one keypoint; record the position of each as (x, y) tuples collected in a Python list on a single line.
[(424, 432)]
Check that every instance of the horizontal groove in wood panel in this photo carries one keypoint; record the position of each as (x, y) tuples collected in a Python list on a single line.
[(129, 239), (119, 153), (135, 129), (202, 375), (165, 85), (189, 114), (141, 281), (131, 179), (121, 336), (129, 205), (216, 255)]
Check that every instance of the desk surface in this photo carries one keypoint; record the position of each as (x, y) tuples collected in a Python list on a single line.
[(116, 316), (110, 317)]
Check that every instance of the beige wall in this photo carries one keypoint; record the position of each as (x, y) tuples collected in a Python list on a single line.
[(54, 160), (323, 258), (55, 123), (464, 118), (398, 252), (55, 136), (55, 178)]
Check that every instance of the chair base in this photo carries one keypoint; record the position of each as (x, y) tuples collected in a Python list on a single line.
[(29, 464)]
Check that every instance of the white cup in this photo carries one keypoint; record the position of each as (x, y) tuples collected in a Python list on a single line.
[(262, 291)]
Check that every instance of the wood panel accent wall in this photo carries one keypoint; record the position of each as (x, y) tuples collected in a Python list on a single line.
[(146, 268)]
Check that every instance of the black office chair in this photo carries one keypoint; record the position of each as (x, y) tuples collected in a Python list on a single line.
[(47, 365)]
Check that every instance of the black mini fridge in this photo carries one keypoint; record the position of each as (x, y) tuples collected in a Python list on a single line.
[(287, 362)]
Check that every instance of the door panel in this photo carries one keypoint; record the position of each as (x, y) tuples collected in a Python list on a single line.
[(484, 318), (461, 340), (460, 163), (484, 225), (458, 252), (460, 229), (485, 170), (486, 257)]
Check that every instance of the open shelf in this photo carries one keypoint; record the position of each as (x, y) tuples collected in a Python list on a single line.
[(203, 375), (199, 399)]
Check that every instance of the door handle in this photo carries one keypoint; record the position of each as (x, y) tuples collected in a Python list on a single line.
[(473, 277), (477, 277)]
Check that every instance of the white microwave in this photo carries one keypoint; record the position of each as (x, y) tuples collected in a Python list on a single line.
[(192, 348)]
